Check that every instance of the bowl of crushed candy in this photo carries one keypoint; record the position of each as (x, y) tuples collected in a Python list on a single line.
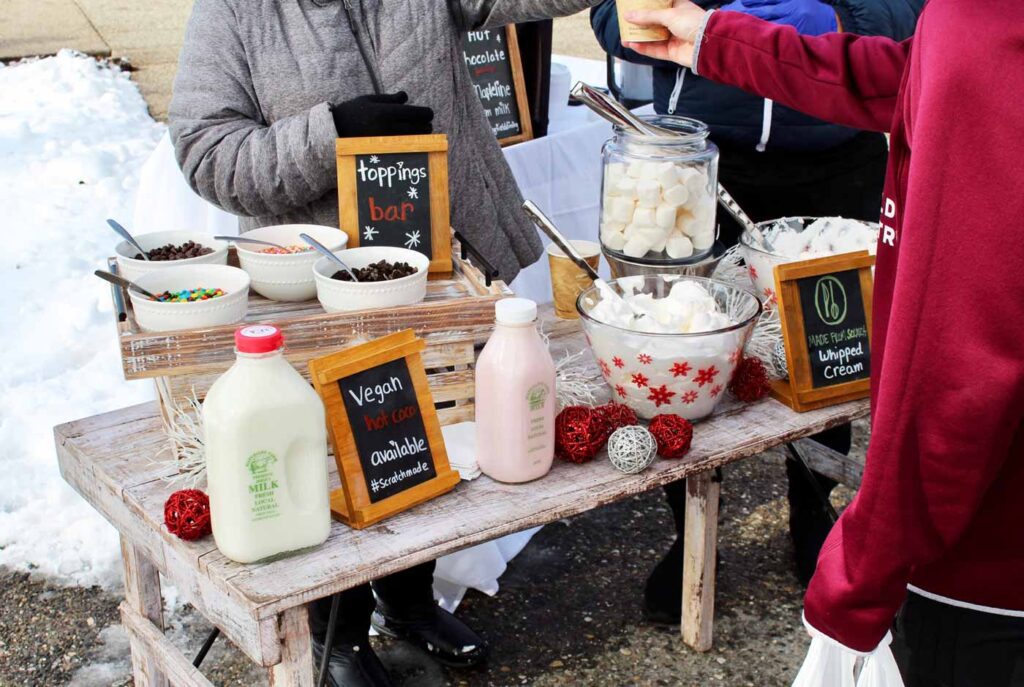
[(337, 295), (286, 275), (191, 297), (679, 357), (789, 239)]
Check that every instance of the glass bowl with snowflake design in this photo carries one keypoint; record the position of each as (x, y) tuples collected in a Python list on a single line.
[(658, 373)]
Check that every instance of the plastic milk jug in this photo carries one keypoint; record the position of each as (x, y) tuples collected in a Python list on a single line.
[(266, 453), (515, 397)]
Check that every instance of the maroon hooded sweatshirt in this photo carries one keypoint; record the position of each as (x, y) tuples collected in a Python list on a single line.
[(941, 506)]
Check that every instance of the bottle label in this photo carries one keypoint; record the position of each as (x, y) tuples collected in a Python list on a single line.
[(537, 395), (263, 485), (536, 398)]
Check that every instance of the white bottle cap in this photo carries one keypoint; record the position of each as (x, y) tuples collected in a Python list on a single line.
[(515, 311)]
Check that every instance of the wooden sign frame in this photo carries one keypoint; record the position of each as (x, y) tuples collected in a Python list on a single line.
[(351, 503), (436, 147), (798, 392), (515, 61)]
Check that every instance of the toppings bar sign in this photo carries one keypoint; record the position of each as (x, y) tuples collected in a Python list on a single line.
[(495, 68), (393, 191), (387, 440), (825, 310)]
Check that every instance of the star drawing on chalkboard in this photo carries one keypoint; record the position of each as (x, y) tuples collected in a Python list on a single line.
[(413, 192), (412, 239), (374, 159), (368, 233)]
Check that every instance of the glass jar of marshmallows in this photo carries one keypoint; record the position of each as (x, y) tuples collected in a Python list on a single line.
[(659, 194)]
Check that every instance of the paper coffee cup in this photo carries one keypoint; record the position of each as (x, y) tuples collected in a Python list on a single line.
[(568, 280), (639, 34)]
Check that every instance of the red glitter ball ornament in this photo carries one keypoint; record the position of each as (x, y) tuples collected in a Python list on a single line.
[(616, 415), (750, 380), (580, 432), (673, 435), (187, 514)]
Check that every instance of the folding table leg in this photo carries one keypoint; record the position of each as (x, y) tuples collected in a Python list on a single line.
[(296, 666), (142, 592), (700, 543)]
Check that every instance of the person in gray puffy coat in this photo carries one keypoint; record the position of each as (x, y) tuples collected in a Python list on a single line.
[(251, 117)]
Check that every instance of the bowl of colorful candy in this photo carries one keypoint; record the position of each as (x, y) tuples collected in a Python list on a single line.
[(286, 274), (680, 354), (790, 239), (191, 297), (388, 276), (167, 248)]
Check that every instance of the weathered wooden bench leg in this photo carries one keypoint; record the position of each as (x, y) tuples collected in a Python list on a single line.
[(296, 666), (142, 593), (700, 543)]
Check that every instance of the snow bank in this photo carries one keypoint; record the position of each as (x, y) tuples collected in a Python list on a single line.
[(73, 135)]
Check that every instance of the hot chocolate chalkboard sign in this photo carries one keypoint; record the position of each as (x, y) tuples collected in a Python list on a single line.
[(492, 57), (393, 191), (825, 310), (384, 428)]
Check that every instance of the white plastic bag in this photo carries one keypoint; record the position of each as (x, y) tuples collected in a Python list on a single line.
[(830, 664)]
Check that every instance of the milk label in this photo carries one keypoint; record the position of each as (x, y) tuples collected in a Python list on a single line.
[(263, 486)]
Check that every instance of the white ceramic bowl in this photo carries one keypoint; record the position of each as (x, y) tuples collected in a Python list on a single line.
[(681, 374), (154, 316), (761, 260), (131, 269), (286, 277), (340, 296)]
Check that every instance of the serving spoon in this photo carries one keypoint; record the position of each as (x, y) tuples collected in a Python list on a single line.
[(124, 233), (123, 283), (245, 239), (545, 224), (327, 253)]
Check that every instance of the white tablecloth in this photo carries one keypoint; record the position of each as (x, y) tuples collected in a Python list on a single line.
[(561, 173)]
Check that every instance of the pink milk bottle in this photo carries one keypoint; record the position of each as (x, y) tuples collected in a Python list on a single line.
[(515, 397)]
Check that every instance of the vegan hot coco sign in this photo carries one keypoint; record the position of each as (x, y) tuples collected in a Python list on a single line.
[(393, 191), (384, 428)]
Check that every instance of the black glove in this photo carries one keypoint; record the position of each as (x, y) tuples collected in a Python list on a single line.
[(381, 115)]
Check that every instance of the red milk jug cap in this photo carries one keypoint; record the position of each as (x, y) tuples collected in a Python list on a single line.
[(258, 338)]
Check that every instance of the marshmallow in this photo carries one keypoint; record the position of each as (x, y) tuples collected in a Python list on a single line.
[(666, 174), (649, 170), (676, 195), (658, 244), (615, 240), (678, 246), (648, 192), (665, 217), (634, 169), (613, 172), (644, 217), (636, 247), (609, 226), (625, 187), (621, 210), (703, 239)]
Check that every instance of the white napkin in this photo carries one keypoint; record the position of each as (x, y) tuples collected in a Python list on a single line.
[(460, 443)]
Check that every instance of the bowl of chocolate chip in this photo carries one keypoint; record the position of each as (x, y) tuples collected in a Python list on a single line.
[(286, 273), (388, 277), (166, 248)]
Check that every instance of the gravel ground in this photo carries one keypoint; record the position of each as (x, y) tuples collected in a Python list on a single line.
[(567, 614)]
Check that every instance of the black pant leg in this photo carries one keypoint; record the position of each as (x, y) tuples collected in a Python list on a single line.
[(408, 589), (353, 625)]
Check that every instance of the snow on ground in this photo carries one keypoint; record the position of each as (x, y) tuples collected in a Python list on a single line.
[(73, 135)]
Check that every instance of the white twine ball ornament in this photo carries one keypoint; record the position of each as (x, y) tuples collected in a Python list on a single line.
[(779, 360), (631, 449)]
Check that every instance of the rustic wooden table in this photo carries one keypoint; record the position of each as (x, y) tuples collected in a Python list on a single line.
[(109, 460)]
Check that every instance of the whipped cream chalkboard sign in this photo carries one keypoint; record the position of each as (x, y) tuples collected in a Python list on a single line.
[(387, 439), (393, 191), (496, 71), (825, 312)]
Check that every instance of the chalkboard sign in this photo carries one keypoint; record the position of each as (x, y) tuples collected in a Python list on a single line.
[(496, 70), (825, 311), (393, 191), (384, 429), (390, 437)]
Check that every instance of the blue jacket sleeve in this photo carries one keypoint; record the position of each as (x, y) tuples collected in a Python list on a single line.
[(604, 19), (894, 19)]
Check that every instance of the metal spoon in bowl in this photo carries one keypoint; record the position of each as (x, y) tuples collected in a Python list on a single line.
[(123, 283), (541, 220), (123, 233), (245, 239), (726, 200), (327, 252)]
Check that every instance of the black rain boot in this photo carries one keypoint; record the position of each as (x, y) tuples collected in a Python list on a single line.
[(352, 662), (352, 665)]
